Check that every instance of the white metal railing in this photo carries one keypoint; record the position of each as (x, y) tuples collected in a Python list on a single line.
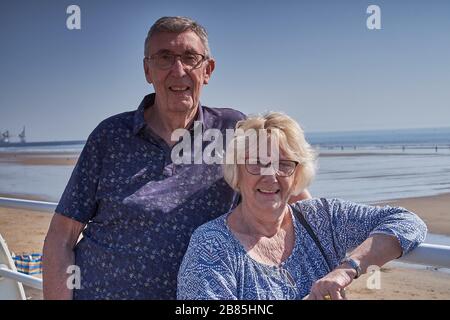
[(28, 204), (429, 255), (20, 277), (5, 272), (425, 254)]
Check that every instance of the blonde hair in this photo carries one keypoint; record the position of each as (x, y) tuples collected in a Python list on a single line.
[(292, 143)]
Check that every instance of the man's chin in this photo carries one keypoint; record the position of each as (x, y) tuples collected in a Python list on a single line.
[(182, 107)]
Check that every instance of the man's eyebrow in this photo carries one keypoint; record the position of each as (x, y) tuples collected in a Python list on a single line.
[(161, 51), (167, 51), (191, 51)]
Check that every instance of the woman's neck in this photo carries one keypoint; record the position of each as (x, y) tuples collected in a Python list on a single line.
[(261, 224), (268, 239)]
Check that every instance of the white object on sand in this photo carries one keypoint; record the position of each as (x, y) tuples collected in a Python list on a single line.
[(9, 289)]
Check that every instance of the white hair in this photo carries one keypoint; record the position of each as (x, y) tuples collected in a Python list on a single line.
[(292, 144)]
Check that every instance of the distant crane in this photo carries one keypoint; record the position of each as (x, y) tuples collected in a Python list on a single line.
[(22, 136), (5, 136)]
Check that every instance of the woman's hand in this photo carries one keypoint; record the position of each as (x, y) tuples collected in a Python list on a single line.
[(332, 286)]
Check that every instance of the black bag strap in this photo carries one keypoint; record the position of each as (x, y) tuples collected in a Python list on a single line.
[(311, 233)]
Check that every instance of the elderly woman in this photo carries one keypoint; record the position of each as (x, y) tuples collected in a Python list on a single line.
[(268, 249)]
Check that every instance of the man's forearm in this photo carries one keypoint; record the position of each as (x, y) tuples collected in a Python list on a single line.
[(61, 238), (56, 259)]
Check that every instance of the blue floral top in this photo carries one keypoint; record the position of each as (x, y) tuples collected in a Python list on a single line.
[(216, 265)]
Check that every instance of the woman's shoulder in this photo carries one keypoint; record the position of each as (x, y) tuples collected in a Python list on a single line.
[(319, 210), (319, 204), (211, 231), (310, 205), (212, 242)]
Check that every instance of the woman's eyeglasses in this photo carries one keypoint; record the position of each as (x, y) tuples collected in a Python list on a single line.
[(284, 168)]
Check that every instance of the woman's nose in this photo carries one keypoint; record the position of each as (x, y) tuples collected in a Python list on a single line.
[(269, 173)]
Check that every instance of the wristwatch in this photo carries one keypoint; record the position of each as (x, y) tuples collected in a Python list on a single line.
[(354, 264)]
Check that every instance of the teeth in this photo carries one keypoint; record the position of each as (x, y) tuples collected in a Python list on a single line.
[(179, 88), (267, 191)]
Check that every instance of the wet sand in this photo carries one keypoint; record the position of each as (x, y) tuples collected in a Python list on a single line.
[(434, 210), (40, 159)]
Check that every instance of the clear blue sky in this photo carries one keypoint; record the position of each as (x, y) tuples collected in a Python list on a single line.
[(314, 60)]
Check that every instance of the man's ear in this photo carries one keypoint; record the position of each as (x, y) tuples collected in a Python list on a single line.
[(147, 71), (209, 70)]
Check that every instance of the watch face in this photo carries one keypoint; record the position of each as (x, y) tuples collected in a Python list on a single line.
[(354, 265)]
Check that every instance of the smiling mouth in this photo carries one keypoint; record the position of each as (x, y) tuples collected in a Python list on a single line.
[(263, 191), (179, 88)]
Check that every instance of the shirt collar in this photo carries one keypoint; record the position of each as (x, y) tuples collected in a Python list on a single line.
[(139, 121)]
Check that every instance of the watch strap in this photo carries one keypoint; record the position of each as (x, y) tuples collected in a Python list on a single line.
[(354, 264)]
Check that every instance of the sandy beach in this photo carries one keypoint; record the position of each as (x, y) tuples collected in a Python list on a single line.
[(42, 159), (434, 210), (25, 230)]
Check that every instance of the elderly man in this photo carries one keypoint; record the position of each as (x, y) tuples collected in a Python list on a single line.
[(135, 207)]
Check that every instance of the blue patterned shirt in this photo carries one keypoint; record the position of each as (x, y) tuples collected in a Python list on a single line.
[(216, 265), (140, 208)]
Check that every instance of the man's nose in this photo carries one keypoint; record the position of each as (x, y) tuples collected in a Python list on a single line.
[(178, 68)]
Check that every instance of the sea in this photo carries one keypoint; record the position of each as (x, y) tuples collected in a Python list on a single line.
[(361, 166)]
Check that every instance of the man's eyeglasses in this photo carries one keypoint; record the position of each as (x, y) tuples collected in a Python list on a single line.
[(166, 60), (285, 167)]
